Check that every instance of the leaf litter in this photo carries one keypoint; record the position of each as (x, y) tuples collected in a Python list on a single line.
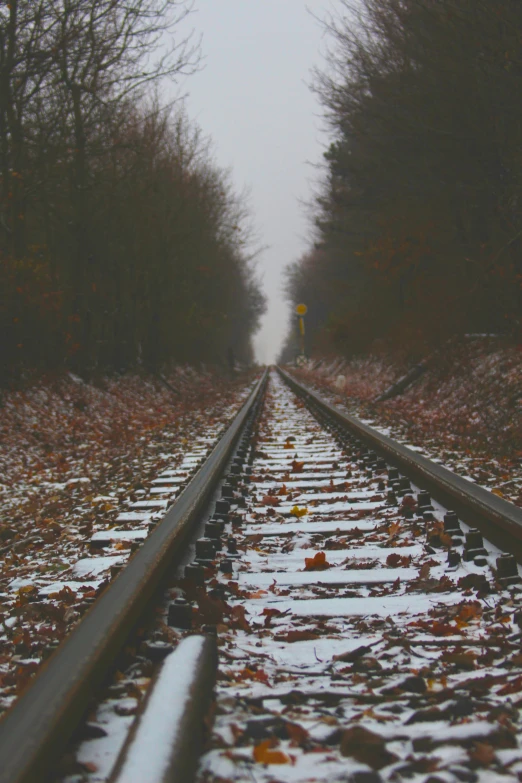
[(77, 460)]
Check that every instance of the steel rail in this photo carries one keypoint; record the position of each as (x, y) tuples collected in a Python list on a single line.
[(39, 725), (498, 519)]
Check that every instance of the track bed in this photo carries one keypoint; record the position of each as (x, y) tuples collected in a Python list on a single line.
[(364, 655)]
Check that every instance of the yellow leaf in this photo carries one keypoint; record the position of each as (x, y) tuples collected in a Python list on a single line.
[(26, 589), (298, 512)]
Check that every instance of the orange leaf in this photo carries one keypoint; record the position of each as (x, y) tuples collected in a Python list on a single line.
[(317, 563), (249, 674), (445, 540), (394, 529), (257, 594), (263, 754), (469, 611)]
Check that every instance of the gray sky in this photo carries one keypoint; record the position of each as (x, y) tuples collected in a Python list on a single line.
[(252, 99)]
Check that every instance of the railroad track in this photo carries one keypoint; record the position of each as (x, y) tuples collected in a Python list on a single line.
[(358, 629)]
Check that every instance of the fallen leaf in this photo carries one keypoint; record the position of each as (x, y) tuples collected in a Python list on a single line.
[(515, 686), (469, 611), (394, 529), (120, 545), (249, 674), (462, 660), (27, 589), (297, 734), (395, 561), (317, 563), (482, 754), (268, 614), (264, 754), (257, 594), (270, 500), (366, 746), (298, 512), (238, 618), (89, 766)]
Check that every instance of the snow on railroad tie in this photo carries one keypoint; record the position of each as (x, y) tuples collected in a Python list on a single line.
[(167, 482), (337, 577), (104, 537), (295, 528), (306, 481), (357, 556), (133, 516), (333, 507), (310, 466), (385, 606), (153, 505)]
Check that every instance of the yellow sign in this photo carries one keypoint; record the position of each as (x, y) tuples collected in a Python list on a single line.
[(301, 309)]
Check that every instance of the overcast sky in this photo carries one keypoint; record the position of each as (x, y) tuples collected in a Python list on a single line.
[(252, 98)]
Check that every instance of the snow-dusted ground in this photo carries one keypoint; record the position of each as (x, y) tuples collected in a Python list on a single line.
[(86, 473), (464, 412)]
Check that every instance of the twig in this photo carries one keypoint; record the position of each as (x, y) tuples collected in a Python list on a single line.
[(168, 385)]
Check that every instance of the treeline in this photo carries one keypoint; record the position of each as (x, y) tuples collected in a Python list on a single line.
[(121, 242), (418, 222)]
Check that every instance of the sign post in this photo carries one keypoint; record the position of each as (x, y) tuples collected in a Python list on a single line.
[(301, 310)]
